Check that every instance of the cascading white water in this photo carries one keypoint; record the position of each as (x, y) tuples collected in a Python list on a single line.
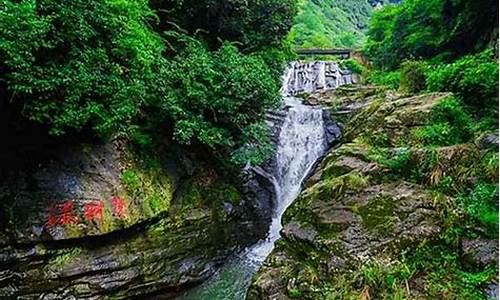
[(302, 141)]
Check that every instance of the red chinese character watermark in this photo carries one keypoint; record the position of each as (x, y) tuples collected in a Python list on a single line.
[(63, 214), (67, 213), (119, 207), (93, 210)]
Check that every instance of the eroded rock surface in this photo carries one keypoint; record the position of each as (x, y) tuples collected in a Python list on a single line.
[(357, 214), (93, 221)]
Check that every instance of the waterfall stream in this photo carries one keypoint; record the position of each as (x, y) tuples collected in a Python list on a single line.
[(302, 141)]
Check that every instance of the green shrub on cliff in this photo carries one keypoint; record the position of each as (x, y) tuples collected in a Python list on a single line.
[(389, 79), (473, 77), (422, 29), (107, 68), (354, 66), (449, 124), (481, 203), (412, 78)]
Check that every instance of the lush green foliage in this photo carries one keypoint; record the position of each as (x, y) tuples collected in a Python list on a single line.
[(354, 66), (78, 63), (450, 124), (412, 78), (473, 77), (425, 28), (107, 67), (217, 98), (481, 203), (389, 79), (330, 23), (445, 275), (253, 24)]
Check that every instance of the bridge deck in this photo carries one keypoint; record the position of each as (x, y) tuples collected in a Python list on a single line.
[(318, 51)]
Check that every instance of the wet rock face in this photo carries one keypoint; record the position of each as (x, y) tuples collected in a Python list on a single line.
[(355, 211), (344, 218), (392, 117), (45, 201), (86, 221), (164, 258), (480, 252)]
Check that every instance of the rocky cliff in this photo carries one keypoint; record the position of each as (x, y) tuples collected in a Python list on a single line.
[(90, 220), (371, 225)]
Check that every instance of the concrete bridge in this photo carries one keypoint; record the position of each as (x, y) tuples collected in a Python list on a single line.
[(344, 53)]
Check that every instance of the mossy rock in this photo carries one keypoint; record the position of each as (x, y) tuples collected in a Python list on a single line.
[(390, 121)]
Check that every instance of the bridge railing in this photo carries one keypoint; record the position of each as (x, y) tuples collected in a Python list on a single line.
[(347, 53)]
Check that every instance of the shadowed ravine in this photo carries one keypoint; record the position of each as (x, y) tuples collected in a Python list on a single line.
[(303, 139)]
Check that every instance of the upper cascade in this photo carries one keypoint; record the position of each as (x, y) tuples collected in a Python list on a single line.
[(308, 77)]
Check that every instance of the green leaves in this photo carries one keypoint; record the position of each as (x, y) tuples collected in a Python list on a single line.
[(78, 63), (254, 25), (218, 99), (21, 32), (101, 66), (473, 77), (419, 29), (481, 203), (450, 124)]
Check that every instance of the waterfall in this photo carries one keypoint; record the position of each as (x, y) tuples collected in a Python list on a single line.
[(301, 142), (313, 76)]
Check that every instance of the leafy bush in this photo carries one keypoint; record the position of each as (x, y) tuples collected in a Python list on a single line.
[(442, 272), (399, 161), (389, 79), (482, 204), (294, 293), (412, 77), (74, 64), (473, 77), (424, 28), (490, 165), (354, 66), (450, 124), (217, 99)]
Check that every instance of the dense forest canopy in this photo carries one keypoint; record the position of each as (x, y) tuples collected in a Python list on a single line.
[(333, 23), (439, 45), (252, 24), (330, 23), (121, 68), (426, 28)]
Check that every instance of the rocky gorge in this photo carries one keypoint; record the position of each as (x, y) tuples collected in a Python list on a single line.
[(371, 208), (97, 220), (337, 200)]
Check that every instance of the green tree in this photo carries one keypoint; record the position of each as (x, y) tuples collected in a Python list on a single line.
[(103, 67), (217, 98), (254, 24), (78, 63), (425, 28)]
